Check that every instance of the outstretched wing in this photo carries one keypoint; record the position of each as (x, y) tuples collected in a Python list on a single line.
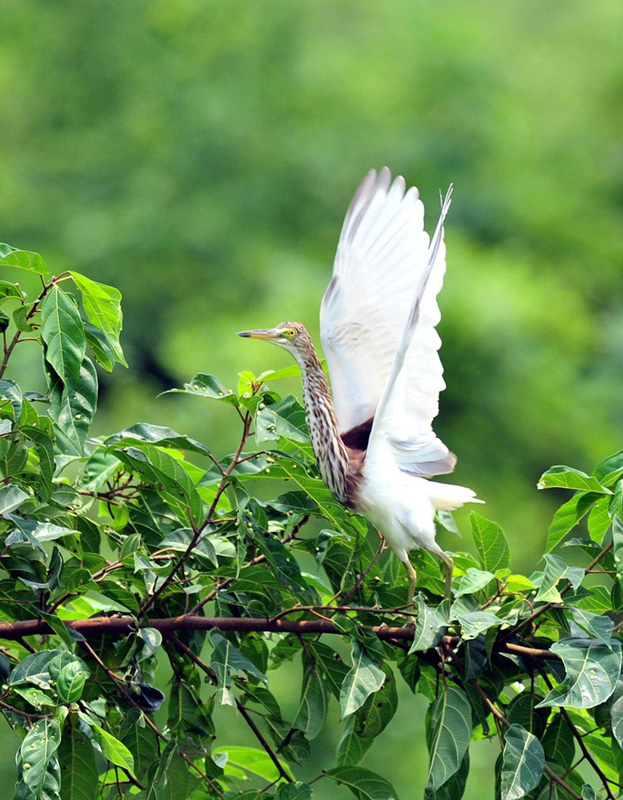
[(379, 273)]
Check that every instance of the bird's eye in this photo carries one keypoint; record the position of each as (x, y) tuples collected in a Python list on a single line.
[(289, 333)]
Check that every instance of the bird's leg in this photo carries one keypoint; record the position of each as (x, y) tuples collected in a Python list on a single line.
[(449, 568), (412, 579)]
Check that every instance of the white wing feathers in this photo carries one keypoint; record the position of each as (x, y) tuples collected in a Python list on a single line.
[(378, 321)]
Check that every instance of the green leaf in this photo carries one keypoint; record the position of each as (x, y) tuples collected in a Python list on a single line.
[(332, 669), (568, 516), (609, 465), (523, 763), (567, 478), (556, 570), (36, 752), (143, 433), (70, 682), (294, 791), (73, 407), (599, 519), (253, 760), (227, 658), (101, 349), (592, 670), (113, 750), (9, 390), (282, 420), (63, 334), (473, 623), (363, 783), (473, 581), (363, 678), (10, 290), (558, 742), (491, 544), (102, 305), (24, 259), (448, 731), (596, 625), (313, 704), (77, 762), (207, 386), (430, 626), (11, 497), (141, 742), (616, 713)]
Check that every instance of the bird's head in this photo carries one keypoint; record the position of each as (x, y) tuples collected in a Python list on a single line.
[(292, 336)]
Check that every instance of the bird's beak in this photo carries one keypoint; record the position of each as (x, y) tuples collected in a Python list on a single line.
[(262, 333)]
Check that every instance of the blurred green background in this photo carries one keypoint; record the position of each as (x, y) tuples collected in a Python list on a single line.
[(200, 155)]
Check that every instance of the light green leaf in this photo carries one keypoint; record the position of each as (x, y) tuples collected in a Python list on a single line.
[(556, 570), (36, 752), (430, 626), (473, 581), (253, 760), (363, 678), (599, 519), (568, 478), (592, 670), (63, 334), (363, 783), (523, 763), (448, 731), (11, 497), (473, 623), (24, 259), (102, 305), (491, 544), (113, 750)]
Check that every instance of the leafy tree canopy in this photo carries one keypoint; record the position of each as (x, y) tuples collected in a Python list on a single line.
[(144, 548)]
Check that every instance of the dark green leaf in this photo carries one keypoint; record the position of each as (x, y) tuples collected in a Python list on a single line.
[(227, 658), (448, 731), (558, 742), (313, 704), (556, 570), (36, 752), (522, 765), (294, 791), (70, 682), (568, 516), (363, 783), (143, 433), (596, 625), (73, 407), (79, 778)]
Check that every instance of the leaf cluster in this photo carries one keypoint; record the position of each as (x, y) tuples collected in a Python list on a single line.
[(144, 548)]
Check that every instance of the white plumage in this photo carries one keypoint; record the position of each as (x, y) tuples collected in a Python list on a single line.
[(377, 325)]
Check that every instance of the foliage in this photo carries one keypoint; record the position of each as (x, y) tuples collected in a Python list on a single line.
[(121, 552)]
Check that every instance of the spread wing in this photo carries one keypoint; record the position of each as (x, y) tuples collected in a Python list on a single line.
[(383, 270)]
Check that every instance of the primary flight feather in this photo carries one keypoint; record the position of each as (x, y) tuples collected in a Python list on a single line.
[(373, 438)]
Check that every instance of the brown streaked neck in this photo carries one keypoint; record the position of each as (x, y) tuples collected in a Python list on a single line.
[(331, 453)]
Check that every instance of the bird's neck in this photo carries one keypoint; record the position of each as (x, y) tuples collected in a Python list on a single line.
[(330, 452)]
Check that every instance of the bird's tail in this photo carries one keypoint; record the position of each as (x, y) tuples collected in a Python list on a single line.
[(448, 497)]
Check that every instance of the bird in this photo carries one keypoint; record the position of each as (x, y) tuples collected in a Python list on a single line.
[(372, 434)]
